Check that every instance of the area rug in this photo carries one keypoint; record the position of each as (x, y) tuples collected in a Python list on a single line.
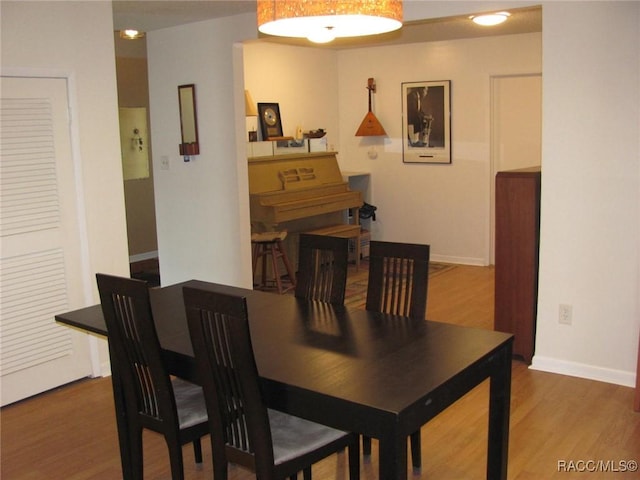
[(356, 291)]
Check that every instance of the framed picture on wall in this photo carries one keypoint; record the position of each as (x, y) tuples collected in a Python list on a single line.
[(426, 122), (270, 121)]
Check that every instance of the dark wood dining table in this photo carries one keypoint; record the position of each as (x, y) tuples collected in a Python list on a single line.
[(379, 375)]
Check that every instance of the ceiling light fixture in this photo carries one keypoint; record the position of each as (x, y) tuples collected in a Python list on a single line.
[(323, 20), (490, 19), (131, 34)]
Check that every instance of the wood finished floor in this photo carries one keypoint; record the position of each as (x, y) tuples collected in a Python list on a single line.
[(70, 434)]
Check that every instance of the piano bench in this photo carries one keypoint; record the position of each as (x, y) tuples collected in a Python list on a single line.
[(342, 231)]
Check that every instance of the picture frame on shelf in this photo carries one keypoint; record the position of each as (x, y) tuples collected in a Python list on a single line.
[(270, 121), (426, 122)]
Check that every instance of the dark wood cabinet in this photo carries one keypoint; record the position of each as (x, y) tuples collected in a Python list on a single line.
[(517, 243)]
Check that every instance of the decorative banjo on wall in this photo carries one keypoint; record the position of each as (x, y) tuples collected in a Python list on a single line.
[(370, 126)]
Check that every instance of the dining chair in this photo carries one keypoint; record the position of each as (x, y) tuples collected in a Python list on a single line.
[(153, 400), (322, 268), (273, 444), (397, 285)]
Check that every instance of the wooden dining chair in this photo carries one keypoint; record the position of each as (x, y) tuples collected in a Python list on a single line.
[(174, 408), (397, 285), (398, 279), (273, 444), (322, 268)]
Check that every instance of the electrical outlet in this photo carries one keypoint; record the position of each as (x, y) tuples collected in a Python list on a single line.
[(565, 314), (164, 162)]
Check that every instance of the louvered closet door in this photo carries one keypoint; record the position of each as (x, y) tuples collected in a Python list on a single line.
[(40, 268)]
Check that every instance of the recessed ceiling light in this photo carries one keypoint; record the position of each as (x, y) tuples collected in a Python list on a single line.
[(130, 34), (490, 19)]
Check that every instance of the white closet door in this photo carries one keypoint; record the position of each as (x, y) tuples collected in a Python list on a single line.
[(40, 266)]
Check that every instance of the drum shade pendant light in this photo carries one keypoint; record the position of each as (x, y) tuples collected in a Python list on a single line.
[(370, 126), (323, 20)]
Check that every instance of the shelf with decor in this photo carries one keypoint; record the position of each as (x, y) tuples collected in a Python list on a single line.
[(359, 181)]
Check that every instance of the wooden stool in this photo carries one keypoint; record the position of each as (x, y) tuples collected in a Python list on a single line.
[(270, 243)]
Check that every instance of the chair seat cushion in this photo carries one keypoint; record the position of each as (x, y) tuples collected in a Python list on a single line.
[(189, 403), (294, 436)]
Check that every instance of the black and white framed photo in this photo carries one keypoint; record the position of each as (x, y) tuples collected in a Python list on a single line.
[(270, 121), (426, 122)]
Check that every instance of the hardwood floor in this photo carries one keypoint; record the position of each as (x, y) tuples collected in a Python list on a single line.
[(70, 433)]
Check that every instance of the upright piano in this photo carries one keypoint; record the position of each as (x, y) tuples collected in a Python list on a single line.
[(298, 193)]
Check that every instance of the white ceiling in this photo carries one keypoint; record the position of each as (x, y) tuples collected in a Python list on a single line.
[(149, 15)]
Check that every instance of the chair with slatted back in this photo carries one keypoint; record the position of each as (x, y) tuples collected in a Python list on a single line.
[(322, 268), (397, 285), (174, 408), (273, 444)]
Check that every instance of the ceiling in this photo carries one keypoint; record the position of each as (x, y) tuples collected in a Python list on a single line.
[(149, 15)]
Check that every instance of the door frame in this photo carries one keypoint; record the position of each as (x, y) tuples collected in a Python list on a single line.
[(83, 236)]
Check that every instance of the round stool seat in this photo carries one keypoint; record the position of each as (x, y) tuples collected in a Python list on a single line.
[(268, 237)]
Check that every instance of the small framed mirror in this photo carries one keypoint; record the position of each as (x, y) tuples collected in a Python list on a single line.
[(188, 120)]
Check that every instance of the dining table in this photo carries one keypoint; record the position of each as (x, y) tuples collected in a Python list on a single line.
[(375, 374)]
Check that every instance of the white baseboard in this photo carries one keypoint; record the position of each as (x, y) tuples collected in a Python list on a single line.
[(474, 262), (139, 257), (583, 370), (106, 369)]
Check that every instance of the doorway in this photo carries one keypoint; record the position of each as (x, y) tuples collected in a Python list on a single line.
[(133, 98)]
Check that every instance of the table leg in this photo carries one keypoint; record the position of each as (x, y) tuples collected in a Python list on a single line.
[(499, 406), (393, 455)]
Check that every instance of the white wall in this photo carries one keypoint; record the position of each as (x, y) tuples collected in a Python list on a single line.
[(74, 40), (590, 190), (202, 205), (303, 81), (446, 206)]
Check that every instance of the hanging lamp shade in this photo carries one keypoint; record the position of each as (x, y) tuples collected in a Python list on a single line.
[(370, 126), (324, 20)]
